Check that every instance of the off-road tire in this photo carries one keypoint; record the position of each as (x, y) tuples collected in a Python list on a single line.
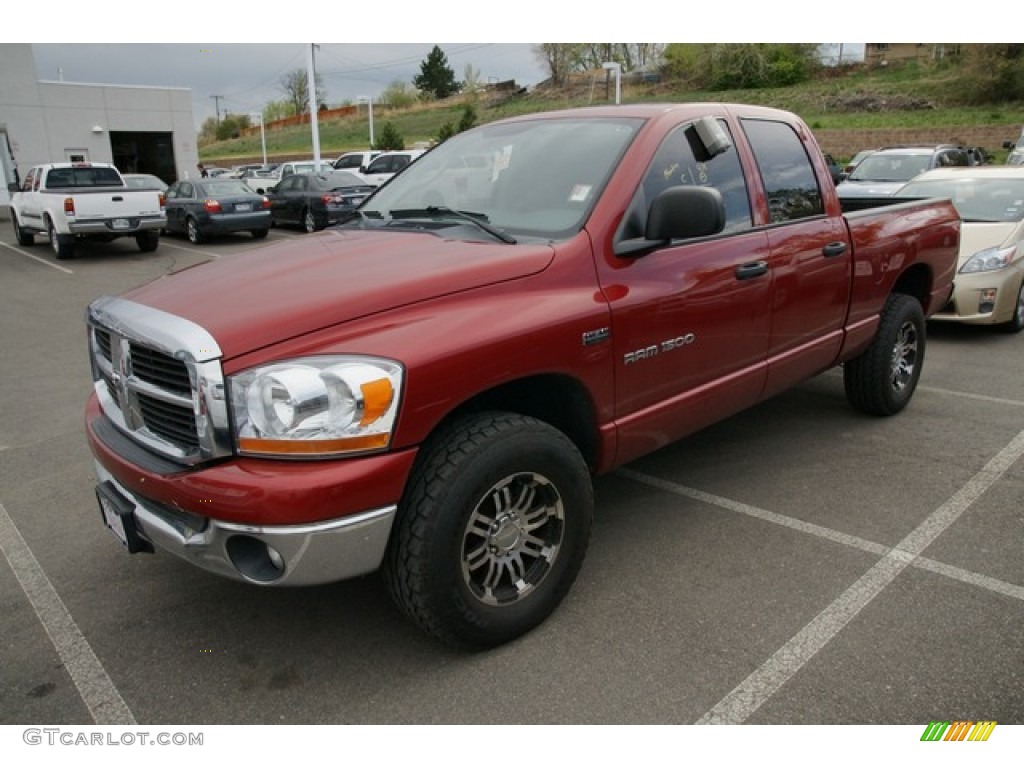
[(882, 379), (492, 529)]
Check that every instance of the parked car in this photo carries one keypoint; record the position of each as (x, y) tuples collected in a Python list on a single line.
[(261, 181), (316, 200), (355, 161), (855, 161), (387, 164), (833, 168), (884, 171), (144, 181), (1016, 156), (989, 285), (199, 209)]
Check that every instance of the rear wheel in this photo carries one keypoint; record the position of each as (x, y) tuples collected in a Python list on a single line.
[(195, 234), (23, 237), (883, 378), (63, 245), (309, 221), (148, 241), (492, 530)]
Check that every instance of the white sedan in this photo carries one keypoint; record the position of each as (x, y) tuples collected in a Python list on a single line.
[(990, 273)]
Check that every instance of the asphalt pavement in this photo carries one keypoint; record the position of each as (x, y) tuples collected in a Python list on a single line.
[(799, 563)]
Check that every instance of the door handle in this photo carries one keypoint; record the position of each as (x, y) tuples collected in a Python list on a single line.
[(751, 270), (834, 249)]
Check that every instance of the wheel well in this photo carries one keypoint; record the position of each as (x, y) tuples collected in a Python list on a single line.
[(916, 282), (558, 400)]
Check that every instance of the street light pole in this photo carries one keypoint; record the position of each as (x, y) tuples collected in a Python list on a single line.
[(311, 82), (263, 137), (617, 68), (369, 103)]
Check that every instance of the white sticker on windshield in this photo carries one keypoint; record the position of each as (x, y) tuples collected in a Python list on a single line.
[(580, 193)]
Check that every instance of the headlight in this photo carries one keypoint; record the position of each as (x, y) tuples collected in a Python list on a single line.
[(988, 260), (316, 406)]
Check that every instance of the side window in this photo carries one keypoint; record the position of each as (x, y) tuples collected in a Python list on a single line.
[(185, 190), (786, 170), (675, 164), (30, 180)]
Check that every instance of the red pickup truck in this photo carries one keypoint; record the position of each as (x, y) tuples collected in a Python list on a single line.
[(428, 388)]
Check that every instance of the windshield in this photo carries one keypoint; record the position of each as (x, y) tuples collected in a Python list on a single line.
[(975, 199), (890, 167), (531, 178)]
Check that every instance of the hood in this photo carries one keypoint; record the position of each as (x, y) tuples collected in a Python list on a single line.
[(253, 299), (977, 236)]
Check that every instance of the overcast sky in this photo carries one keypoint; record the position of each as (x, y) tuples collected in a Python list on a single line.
[(244, 77)]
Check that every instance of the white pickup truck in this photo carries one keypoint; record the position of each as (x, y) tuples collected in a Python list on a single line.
[(74, 201)]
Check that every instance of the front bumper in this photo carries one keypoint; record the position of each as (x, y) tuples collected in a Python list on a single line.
[(967, 304), (285, 555)]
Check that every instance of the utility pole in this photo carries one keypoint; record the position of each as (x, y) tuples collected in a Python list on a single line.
[(216, 103), (311, 77)]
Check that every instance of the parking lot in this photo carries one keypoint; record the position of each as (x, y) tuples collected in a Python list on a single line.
[(799, 563)]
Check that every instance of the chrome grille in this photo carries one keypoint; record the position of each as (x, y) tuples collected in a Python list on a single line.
[(158, 378)]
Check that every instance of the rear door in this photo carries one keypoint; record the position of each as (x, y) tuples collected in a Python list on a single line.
[(811, 256)]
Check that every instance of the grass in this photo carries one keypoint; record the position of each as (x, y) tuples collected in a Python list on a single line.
[(904, 97)]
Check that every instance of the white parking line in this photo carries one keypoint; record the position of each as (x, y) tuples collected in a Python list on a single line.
[(58, 267), (747, 697), (94, 685)]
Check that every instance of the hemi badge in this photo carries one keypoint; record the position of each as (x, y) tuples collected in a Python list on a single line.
[(595, 337)]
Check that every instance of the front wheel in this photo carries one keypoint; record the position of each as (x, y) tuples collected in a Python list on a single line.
[(492, 530), (883, 378), (1016, 323)]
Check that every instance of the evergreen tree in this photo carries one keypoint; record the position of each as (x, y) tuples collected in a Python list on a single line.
[(435, 76), (390, 138)]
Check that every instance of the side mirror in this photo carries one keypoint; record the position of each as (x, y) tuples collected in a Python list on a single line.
[(678, 213), (12, 188), (683, 212), (1008, 145)]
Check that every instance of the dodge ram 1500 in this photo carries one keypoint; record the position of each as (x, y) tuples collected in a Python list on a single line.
[(429, 387)]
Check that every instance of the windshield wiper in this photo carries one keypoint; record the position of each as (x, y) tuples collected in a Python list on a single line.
[(440, 211)]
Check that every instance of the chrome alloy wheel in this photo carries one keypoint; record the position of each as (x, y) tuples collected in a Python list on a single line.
[(512, 538), (904, 357)]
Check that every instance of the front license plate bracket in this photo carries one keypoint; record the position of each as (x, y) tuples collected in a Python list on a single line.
[(118, 515)]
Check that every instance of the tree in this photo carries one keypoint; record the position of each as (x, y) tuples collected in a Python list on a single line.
[(231, 126), (559, 59), (991, 73), (435, 76), (722, 66), (399, 95), (389, 138), (295, 86)]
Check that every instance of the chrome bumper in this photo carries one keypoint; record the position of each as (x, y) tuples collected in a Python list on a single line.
[(315, 553)]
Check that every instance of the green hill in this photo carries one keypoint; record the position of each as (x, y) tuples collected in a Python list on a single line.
[(847, 110)]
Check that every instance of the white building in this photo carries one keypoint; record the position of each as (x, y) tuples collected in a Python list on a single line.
[(139, 129)]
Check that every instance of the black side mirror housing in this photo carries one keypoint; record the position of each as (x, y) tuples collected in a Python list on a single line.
[(678, 213)]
